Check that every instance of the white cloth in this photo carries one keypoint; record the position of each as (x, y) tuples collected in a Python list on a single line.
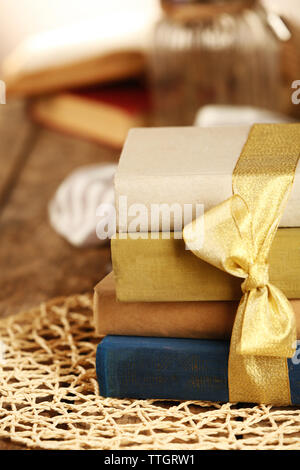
[(72, 211), (225, 115)]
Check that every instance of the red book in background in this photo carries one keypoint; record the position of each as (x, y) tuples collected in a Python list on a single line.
[(102, 113)]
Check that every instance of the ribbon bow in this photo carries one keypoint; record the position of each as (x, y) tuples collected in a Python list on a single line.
[(238, 235)]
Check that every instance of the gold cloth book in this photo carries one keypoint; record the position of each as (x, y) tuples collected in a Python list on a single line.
[(206, 320), (160, 269)]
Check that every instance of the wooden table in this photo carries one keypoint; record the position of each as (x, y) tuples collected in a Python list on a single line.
[(36, 264)]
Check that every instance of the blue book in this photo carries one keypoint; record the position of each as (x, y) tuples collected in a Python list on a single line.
[(170, 368)]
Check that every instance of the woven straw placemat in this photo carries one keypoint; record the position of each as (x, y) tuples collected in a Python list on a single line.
[(49, 396)]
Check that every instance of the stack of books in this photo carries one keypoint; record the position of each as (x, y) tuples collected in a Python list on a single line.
[(87, 80), (166, 316)]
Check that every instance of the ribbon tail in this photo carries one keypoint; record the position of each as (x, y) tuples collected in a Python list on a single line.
[(256, 379), (268, 326), (238, 235)]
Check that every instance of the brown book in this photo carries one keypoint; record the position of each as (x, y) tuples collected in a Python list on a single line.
[(206, 320), (110, 68), (100, 113)]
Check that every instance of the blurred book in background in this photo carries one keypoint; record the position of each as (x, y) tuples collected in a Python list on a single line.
[(101, 113), (87, 79), (107, 49)]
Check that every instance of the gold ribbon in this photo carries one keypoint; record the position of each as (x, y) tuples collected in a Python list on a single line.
[(238, 235)]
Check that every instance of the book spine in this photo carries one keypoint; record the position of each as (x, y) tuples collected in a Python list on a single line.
[(139, 367), (171, 368), (152, 270)]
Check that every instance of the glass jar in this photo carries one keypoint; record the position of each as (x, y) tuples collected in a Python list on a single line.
[(212, 52)]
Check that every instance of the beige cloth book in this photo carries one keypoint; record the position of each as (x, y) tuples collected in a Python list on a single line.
[(186, 165), (163, 270), (207, 320)]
